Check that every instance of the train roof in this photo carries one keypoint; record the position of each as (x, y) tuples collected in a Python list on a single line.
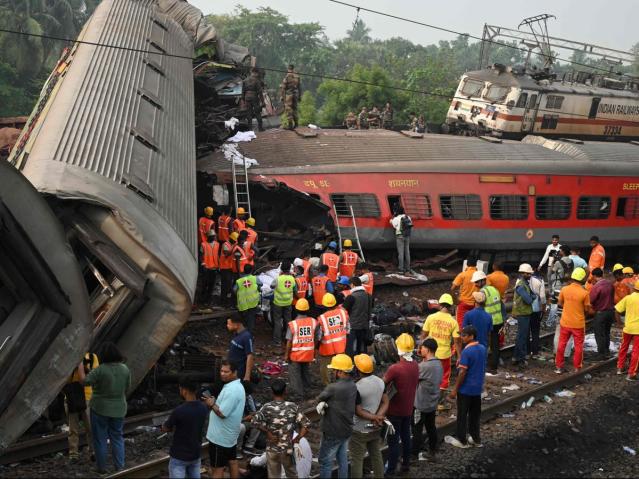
[(305, 151), (526, 82)]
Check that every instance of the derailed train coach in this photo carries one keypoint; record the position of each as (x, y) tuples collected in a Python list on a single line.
[(97, 205)]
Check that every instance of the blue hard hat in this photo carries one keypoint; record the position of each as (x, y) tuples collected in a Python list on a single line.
[(332, 245), (344, 280)]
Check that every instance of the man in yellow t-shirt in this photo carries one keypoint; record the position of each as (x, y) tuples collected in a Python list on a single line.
[(443, 328), (76, 404), (466, 290), (630, 306)]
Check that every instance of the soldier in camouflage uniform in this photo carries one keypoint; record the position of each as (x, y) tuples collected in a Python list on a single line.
[(387, 116), (362, 119), (374, 118), (252, 96), (290, 94)]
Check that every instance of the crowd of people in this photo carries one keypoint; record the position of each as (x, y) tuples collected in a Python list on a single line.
[(320, 313), (374, 118)]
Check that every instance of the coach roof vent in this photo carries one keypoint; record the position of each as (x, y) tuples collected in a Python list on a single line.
[(491, 139)]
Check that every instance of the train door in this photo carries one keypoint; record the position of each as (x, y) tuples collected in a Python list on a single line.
[(594, 107), (530, 114), (394, 201)]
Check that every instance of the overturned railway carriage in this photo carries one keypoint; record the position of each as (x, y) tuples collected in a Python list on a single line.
[(460, 192), (509, 104), (111, 253)]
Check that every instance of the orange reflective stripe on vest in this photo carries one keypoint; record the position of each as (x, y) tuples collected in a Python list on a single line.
[(204, 226), (334, 324), (319, 288), (302, 339), (223, 223), (302, 287), (252, 235), (238, 264), (239, 225), (211, 255), (307, 268), (368, 287), (348, 264), (250, 254), (226, 262), (332, 261)]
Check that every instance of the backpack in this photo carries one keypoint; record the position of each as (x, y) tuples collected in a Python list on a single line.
[(405, 225), (567, 268)]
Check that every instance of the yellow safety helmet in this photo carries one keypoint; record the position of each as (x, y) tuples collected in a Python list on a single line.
[(234, 236), (328, 300), (302, 305), (405, 343), (208, 211), (628, 270), (250, 221), (446, 299), (579, 274), (348, 243), (241, 211), (617, 267), (341, 362), (364, 363)]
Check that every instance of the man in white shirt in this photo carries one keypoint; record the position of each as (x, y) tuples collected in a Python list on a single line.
[(402, 224), (551, 251)]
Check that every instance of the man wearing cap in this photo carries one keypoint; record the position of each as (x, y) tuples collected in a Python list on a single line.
[(320, 285), (342, 289), (621, 288), (206, 224), (495, 308), (284, 289), (247, 293), (250, 228), (597, 254), (369, 416), (575, 301), (301, 282), (239, 223), (538, 287), (522, 310), (466, 288), (358, 305), (404, 377), (629, 306), (300, 347), (602, 297), (330, 259), (629, 277), (223, 225), (333, 328), (442, 327), (336, 404), (349, 259), (479, 319)]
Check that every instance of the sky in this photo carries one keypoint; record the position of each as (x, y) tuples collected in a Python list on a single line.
[(591, 21)]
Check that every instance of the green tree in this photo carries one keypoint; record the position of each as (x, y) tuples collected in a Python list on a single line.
[(307, 109)]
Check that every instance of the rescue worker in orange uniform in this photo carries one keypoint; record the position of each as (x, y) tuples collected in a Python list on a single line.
[(228, 264), (239, 223), (300, 347), (321, 285), (466, 290), (348, 260), (209, 266), (597, 254), (302, 284), (330, 259), (205, 224), (224, 225), (250, 251), (333, 328), (621, 288), (629, 278), (498, 279), (306, 266), (250, 227)]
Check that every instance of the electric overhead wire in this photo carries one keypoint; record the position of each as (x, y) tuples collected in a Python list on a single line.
[(275, 70)]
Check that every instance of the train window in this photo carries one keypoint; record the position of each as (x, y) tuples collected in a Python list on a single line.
[(549, 122), (594, 108), (497, 92), (554, 102), (593, 207), (552, 207), (508, 207), (521, 101), (472, 87), (628, 207), (417, 206), (364, 205), (460, 207)]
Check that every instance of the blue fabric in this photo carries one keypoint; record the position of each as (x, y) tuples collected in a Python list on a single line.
[(241, 346), (483, 323), (332, 448), (524, 293), (473, 358), (103, 428), (578, 261), (182, 469), (187, 422), (224, 432), (521, 343), (402, 432)]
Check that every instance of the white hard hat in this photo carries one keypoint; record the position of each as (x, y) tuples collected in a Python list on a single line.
[(364, 278), (298, 262), (478, 276), (526, 268)]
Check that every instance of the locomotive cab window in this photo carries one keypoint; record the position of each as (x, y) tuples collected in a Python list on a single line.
[(628, 207), (593, 207), (496, 92), (472, 87), (508, 207), (460, 207), (364, 205), (554, 102), (552, 207), (521, 101)]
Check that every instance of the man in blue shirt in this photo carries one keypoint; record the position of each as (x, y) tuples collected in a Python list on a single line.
[(467, 390), (577, 260), (241, 348), (224, 422), (479, 319)]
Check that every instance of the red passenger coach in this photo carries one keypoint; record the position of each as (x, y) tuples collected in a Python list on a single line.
[(460, 192)]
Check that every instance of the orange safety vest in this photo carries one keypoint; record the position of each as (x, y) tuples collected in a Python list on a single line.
[(250, 254), (368, 287), (307, 268), (302, 288), (204, 226), (226, 262), (243, 259), (349, 263), (211, 255), (319, 288), (252, 235), (223, 223), (239, 225), (302, 339), (332, 261), (334, 324)]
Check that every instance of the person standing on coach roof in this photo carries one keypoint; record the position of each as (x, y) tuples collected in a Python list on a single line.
[(403, 225), (602, 297), (463, 281), (522, 311), (224, 423)]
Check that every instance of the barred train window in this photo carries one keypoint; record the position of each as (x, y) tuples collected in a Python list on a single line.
[(593, 207), (549, 122), (508, 207), (628, 207), (417, 206), (460, 207), (552, 207), (364, 205), (554, 102)]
